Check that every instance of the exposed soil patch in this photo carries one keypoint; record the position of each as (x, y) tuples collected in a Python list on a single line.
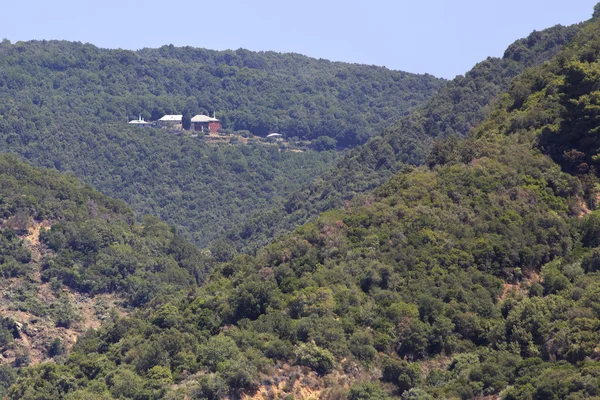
[(581, 208), (509, 288), (303, 383), (530, 278), (33, 305)]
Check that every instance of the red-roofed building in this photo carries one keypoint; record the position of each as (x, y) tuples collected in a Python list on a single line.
[(204, 123)]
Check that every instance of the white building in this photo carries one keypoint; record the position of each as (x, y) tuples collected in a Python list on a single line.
[(139, 122), (170, 121)]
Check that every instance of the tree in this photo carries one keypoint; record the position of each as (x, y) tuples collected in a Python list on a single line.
[(186, 122), (323, 143), (66, 313), (401, 373), (124, 383), (414, 340), (312, 356), (367, 391), (56, 348)]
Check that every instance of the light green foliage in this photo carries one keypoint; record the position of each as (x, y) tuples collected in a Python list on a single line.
[(124, 383), (312, 356), (217, 350), (367, 391)]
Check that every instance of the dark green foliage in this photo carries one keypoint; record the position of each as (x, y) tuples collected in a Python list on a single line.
[(361, 346), (472, 276), (402, 374), (203, 189), (260, 92), (415, 270), (591, 230), (65, 105), (8, 376), (9, 331), (323, 143), (218, 350), (458, 107), (591, 261), (210, 387), (97, 247), (56, 348), (22, 358), (65, 313)]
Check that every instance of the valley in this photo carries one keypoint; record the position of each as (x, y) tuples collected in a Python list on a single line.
[(436, 240)]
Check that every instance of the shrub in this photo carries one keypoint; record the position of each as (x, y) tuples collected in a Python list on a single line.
[(402, 374), (367, 391), (323, 143), (56, 348), (312, 356)]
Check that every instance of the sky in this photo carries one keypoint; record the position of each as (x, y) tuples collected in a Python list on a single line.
[(441, 37)]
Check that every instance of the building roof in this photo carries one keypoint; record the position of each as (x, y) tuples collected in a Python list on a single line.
[(139, 122), (274, 135), (203, 118), (172, 118)]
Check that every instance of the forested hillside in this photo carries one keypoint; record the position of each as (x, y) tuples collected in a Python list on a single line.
[(474, 275), (459, 106), (65, 86), (71, 257), (66, 105), (203, 189)]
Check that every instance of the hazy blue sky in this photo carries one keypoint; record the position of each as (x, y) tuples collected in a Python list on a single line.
[(441, 37)]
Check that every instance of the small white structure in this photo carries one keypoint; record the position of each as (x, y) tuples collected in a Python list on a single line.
[(170, 121), (139, 122), (274, 135)]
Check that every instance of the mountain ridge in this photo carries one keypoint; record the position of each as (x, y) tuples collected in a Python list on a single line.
[(475, 275), (459, 106), (66, 106)]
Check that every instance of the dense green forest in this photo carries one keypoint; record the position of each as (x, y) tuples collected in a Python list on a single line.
[(64, 85), (204, 189), (459, 106), (60, 243), (65, 105), (473, 275), (94, 244)]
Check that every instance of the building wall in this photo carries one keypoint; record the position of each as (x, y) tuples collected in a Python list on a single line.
[(200, 126), (169, 124), (213, 127)]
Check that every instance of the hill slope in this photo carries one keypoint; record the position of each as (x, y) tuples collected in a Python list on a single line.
[(71, 257), (474, 276), (60, 83), (460, 105), (65, 105)]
